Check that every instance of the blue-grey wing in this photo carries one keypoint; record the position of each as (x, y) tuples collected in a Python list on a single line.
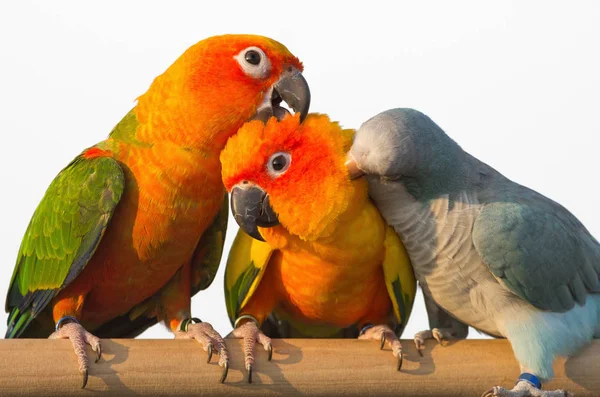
[(537, 248)]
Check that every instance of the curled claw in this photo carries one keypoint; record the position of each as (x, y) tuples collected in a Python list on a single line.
[(98, 353), (384, 334), (209, 339), (85, 378), (420, 338), (251, 335), (437, 335), (488, 393), (524, 388), (399, 367), (225, 370), (79, 338), (210, 351), (419, 345)]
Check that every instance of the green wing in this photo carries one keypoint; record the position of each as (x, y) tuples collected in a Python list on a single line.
[(209, 251), (399, 278), (62, 236), (246, 264)]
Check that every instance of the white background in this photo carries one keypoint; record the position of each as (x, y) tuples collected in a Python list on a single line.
[(517, 85)]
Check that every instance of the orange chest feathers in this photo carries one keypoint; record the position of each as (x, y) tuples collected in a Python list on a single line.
[(171, 198), (338, 281), (174, 194)]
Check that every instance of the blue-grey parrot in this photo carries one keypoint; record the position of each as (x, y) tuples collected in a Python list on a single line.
[(491, 253)]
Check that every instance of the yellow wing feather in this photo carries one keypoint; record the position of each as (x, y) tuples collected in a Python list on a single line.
[(246, 264), (399, 277)]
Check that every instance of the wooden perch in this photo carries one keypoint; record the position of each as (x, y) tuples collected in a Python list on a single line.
[(38, 367)]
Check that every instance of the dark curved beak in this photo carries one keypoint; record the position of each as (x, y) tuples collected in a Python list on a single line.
[(352, 167), (294, 90), (251, 208), (291, 88)]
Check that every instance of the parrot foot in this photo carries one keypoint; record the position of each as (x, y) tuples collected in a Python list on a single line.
[(384, 333), (79, 337), (251, 334), (524, 389), (209, 339), (439, 334)]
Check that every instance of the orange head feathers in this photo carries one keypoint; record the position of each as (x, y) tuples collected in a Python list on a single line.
[(217, 85), (299, 167)]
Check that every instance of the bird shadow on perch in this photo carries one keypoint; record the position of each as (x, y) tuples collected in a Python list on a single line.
[(130, 367), (579, 372), (425, 363), (113, 353)]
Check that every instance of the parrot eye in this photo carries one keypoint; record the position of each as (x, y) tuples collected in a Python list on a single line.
[(252, 57), (279, 163), (254, 62)]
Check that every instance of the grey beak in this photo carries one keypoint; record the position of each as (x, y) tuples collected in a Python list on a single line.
[(251, 209), (291, 88), (294, 90)]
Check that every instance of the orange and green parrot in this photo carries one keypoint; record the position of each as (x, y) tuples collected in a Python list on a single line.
[(134, 226), (328, 265)]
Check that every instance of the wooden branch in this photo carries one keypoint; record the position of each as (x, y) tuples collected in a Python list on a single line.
[(38, 367)]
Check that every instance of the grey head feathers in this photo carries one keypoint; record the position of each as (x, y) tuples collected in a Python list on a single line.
[(404, 142)]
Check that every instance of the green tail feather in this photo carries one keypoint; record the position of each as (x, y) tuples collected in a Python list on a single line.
[(17, 323)]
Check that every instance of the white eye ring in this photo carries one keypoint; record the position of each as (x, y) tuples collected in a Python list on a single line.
[(259, 70), (278, 164)]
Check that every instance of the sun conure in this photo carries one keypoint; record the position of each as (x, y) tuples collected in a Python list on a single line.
[(330, 266), (134, 226)]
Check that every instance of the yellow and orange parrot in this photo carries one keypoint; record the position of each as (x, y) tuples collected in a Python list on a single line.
[(330, 266), (134, 226)]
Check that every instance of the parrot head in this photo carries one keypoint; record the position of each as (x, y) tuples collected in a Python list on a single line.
[(290, 174), (401, 142), (221, 82)]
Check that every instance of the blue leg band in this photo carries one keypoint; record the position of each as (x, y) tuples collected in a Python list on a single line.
[(365, 328), (65, 318), (531, 379), (184, 324)]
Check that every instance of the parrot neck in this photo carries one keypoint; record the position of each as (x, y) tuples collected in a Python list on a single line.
[(172, 112), (166, 157), (356, 206), (360, 228), (333, 226)]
